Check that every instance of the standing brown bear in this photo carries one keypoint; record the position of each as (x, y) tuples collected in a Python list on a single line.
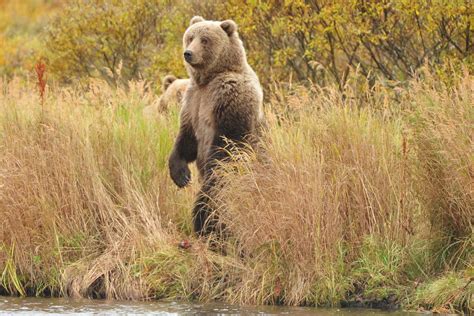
[(222, 102)]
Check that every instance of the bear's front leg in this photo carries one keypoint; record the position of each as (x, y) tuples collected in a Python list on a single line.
[(184, 152), (179, 171)]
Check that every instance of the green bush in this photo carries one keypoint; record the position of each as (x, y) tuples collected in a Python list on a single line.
[(311, 40), (314, 40), (114, 40)]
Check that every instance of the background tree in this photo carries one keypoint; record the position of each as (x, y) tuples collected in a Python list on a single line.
[(112, 39), (386, 38), (300, 40)]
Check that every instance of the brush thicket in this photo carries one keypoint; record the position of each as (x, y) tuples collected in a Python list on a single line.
[(358, 196)]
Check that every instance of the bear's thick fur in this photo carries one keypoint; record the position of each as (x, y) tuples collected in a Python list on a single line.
[(223, 102), (173, 93)]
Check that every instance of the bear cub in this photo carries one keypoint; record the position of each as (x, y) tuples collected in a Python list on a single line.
[(223, 101), (173, 92)]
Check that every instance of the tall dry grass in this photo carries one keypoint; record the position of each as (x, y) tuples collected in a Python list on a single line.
[(335, 175), (442, 117), (84, 189), (361, 197), (362, 193)]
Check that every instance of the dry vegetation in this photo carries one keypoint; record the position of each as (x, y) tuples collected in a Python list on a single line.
[(362, 197)]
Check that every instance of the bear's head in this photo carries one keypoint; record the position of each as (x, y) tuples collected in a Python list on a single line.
[(211, 47), (173, 91), (167, 81)]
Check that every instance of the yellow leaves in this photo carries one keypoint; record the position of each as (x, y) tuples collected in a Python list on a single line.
[(283, 55), (97, 37), (21, 24)]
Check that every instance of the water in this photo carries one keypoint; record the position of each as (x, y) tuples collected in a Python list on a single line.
[(44, 306)]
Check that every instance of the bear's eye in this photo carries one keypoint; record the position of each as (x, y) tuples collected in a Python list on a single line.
[(190, 39), (204, 41)]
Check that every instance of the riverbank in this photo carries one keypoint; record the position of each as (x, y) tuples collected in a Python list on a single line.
[(363, 197), (47, 306)]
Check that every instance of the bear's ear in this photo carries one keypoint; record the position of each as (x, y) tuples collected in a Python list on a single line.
[(229, 26), (196, 19), (167, 81)]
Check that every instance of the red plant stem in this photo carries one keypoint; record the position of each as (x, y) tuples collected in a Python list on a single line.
[(40, 69)]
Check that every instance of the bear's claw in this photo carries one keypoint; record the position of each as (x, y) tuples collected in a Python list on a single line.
[(181, 177)]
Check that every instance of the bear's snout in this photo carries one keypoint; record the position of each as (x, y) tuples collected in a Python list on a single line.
[(188, 56)]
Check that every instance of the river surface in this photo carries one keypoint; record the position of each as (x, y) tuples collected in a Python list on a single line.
[(61, 306)]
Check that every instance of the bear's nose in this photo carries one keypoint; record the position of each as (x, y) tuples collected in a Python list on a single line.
[(188, 56)]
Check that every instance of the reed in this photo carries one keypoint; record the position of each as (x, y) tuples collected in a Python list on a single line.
[(359, 198)]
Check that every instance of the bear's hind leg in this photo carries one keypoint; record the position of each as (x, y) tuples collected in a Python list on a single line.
[(205, 219), (201, 213)]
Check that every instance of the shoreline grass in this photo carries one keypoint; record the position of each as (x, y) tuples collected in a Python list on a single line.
[(363, 199)]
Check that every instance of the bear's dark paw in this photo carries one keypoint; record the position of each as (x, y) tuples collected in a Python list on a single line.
[(181, 175)]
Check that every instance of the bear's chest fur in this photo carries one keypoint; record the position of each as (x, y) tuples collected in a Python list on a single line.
[(200, 105)]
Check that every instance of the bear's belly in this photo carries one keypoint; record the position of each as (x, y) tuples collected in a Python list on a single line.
[(205, 131)]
